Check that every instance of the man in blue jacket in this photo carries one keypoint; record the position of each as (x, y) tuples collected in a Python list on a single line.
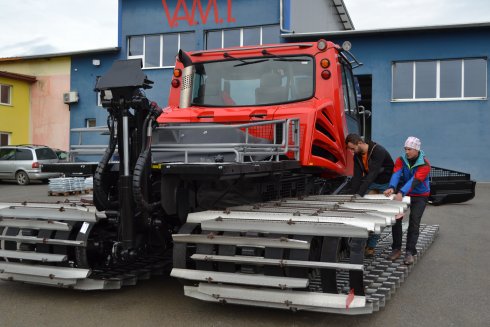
[(411, 178)]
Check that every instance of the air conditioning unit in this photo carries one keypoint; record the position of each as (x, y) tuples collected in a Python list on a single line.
[(70, 97)]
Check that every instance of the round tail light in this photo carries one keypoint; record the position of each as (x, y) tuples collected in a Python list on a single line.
[(326, 74), (175, 83)]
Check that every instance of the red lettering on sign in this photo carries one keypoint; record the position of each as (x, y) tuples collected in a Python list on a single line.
[(204, 16), (230, 19), (190, 17)]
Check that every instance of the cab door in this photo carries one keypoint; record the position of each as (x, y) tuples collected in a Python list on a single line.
[(351, 106)]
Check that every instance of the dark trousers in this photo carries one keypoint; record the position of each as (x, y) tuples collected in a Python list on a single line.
[(417, 207)]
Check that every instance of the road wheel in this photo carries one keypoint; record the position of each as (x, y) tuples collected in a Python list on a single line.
[(22, 178)]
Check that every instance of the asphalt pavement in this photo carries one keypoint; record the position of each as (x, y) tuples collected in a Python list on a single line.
[(450, 286)]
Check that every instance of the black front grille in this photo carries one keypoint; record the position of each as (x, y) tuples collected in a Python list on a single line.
[(321, 152), (324, 131)]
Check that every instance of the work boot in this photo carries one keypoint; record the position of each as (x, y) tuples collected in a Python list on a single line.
[(395, 254), (408, 258), (369, 252)]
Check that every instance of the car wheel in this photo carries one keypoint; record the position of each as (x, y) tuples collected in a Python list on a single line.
[(22, 178), (45, 181)]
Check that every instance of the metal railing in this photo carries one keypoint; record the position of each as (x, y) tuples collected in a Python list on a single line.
[(88, 149), (262, 141), (259, 141)]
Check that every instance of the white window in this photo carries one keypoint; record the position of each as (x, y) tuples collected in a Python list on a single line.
[(90, 122), (159, 51), (236, 37), (4, 138), (5, 94), (452, 79)]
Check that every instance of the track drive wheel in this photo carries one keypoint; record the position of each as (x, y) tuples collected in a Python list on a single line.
[(313, 254)]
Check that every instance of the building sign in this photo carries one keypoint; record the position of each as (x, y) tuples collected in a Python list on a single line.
[(189, 16)]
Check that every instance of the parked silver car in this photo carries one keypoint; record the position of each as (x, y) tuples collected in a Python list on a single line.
[(23, 163)]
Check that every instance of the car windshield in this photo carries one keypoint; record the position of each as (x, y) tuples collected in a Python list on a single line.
[(253, 81), (45, 154)]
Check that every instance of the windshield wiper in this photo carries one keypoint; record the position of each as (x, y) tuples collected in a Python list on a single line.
[(279, 58), (243, 62), (251, 62)]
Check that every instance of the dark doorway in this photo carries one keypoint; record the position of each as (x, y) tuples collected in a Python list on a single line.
[(4, 139), (366, 86)]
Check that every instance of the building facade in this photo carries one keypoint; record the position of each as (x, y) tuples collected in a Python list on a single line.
[(15, 107), (428, 82), (44, 115)]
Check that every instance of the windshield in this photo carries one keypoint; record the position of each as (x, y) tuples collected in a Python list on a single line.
[(253, 81)]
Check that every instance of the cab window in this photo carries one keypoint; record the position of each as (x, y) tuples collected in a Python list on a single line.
[(349, 90)]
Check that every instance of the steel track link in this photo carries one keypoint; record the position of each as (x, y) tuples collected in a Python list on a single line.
[(334, 284), (46, 244), (382, 277)]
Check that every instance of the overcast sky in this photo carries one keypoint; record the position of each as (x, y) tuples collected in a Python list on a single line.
[(30, 27)]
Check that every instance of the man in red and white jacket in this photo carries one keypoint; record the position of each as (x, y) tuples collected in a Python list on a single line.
[(411, 178)]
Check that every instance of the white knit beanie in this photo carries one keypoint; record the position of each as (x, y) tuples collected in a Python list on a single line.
[(413, 142)]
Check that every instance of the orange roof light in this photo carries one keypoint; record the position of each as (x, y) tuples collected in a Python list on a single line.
[(325, 63), (177, 72)]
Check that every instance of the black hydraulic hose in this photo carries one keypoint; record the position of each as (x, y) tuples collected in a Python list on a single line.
[(141, 165), (140, 170), (145, 126), (100, 196)]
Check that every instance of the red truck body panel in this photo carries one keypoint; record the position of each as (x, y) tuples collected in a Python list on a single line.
[(322, 116)]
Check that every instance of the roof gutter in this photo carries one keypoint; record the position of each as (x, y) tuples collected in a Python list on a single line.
[(387, 30)]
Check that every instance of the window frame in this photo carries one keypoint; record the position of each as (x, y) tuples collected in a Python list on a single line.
[(10, 90), (161, 48), (241, 29), (8, 138), (438, 81), (88, 120)]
